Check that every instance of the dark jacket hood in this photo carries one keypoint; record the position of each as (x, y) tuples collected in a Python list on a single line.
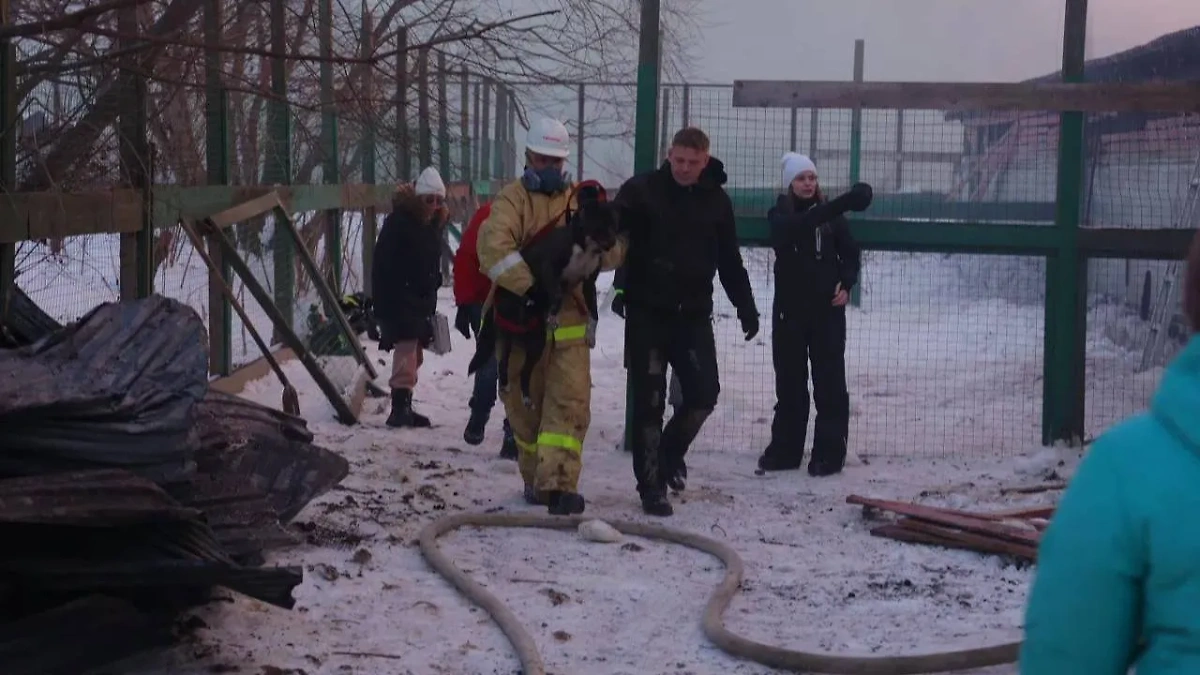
[(712, 177)]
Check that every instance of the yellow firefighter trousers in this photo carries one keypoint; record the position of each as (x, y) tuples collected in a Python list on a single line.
[(550, 434)]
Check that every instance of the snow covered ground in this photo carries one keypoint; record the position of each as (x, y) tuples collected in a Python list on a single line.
[(815, 578), (946, 400)]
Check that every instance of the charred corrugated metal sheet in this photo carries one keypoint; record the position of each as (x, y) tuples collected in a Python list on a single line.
[(115, 389), (272, 450), (99, 498), (25, 322), (73, 637)]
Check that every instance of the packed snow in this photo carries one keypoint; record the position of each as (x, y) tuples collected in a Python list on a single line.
[(946, 399)]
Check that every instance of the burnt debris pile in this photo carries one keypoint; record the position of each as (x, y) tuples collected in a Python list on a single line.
[(129, 489)]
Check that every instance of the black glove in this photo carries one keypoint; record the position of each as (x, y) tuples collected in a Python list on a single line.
[(749, 321), (618, 304), (462, 321), (861, 196)]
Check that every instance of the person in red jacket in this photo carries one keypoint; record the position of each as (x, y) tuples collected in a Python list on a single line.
[(471, 288)]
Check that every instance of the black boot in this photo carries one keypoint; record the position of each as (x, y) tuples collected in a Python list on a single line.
[(656, 504), (676, 471), (403, 414), (476, 426), (508, 449), (775, 460), (565, 503), (531, 496)]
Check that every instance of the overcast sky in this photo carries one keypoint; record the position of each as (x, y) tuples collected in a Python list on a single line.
[(928, 40)]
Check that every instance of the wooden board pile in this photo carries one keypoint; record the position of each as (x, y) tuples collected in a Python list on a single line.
[(129, 490), (1015, 532)]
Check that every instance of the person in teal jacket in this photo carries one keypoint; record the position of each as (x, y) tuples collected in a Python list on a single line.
[(1118, 575)]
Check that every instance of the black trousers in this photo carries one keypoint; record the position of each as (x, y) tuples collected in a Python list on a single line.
[(654, 339), (800, 337)]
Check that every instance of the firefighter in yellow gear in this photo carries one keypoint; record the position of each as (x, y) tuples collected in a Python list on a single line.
[(550, 433)]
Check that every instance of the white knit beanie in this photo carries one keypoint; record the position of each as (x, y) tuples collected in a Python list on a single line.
[(795, 164), (430, 183)]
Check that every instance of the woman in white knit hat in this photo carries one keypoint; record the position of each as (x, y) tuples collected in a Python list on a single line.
[(816, 264)]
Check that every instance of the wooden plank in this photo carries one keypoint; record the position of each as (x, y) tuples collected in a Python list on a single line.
[(246, 210), (344, 414), (51, 215), (923, 533), (969, 96), (949, 518), (1025, 512), (282, 219), (235, 382)]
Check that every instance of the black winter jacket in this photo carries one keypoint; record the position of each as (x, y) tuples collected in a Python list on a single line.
[(407, 273), (814, 252), (679, 237)]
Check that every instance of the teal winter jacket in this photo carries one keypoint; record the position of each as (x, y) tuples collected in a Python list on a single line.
[(1118, 575)]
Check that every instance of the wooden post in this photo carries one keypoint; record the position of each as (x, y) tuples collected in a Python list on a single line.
[(331, 157), (464, 127), (424, 134), (403, 149), (580, 115), (279, 169), (135, 247), (220, 314), (443, 119), (369, 158)]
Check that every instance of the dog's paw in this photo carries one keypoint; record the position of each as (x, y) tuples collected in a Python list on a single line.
[(527, 401)]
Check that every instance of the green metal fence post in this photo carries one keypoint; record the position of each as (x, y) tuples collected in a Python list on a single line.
[(1063, 388), (331, 164), (8, 151), (856, 123), (216, 141), (645, 128), (278, 167), (443, 118), (369, 219)]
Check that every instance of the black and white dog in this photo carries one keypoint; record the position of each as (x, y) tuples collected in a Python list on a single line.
[(560, 258)]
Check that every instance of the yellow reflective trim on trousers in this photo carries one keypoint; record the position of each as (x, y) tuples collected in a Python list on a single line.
[(563, 441), (564, 333), (525, 447)]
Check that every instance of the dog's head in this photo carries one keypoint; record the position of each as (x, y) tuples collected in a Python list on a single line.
[(596, 223)]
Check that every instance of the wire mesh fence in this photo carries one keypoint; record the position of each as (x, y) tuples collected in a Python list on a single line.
[(938, 364), (68, 277)]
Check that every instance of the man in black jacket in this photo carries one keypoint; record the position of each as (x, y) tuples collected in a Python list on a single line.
[(406, 277), (682, 233)]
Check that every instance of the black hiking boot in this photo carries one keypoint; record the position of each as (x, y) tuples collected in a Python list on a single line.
[(656, 504), (565, 503), (403, 414), (770, 461), (508, 449), (476, 426), (824, 467)]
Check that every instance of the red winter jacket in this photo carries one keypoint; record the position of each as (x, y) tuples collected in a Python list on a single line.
[(471, 286)]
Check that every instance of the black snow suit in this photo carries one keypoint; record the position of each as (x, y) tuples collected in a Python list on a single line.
[(814, 252), (407, 273), (680, 237)]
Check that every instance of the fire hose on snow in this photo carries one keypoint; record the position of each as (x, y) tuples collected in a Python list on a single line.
[(713, 624)]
